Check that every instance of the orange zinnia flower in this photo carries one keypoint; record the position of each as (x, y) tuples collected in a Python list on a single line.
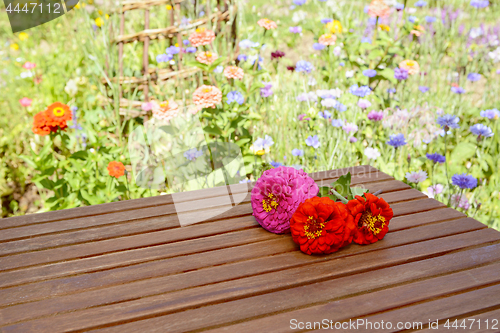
[(206, 57), (165, 110), (379, 8), (116, 169), (322, 226), (327, 39), (233, 72), (418, 30), (40, 125), (53, 118), (207, 96), (201, 36), (410, 65), (371, 217), (267, 24)]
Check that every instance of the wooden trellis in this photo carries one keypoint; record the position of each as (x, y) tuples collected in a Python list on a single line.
[(225, 11)]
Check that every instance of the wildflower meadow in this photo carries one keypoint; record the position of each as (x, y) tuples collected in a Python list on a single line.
[(409, 87)]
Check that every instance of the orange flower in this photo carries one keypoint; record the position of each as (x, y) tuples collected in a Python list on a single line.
[(379, 8), (116, 169), (371, 217), (165, 110), (207, 96), (418, 30), (201, 37), (267, 24), (206, 57), (40, 125), (233, 72), (322, 226), (327, 39), (410, 65), (53, 118)]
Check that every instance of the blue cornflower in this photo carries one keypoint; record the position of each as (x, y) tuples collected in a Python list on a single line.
[(362, 91), (340, 107), (430, 19), (185, 42), (448, 121), (370, 72), (337, 122), (474, 77), (193, 154), (318, 46), (325, 114), (481, 131), (326, 20), (436, 158), (299, 2), (247, 44), (420, 3), (412, 19), (400, 74), (458, 90), (479, 3), (490, 114), (235, 96), (242, 57), (164, 57), (399, 6), (423, 89), (297, 152), (304, 66), (218, 69), (396, 140), (391, 90), (172, 50), (191, 49), (267, 90), (275, 164), (366, 40), (464, 181), (312, 141)]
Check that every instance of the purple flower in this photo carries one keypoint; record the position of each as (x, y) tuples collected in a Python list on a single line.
[(172, 50), (479, 3), (312, 141), (340, 107), (193, 49), (325, 114), (391, 90), (448, 121), (295, 30), (350, 127), (474, 77), (276, 164), (337, 122), (396, 140), (247, 44), (297, 152), (366, 40), (464, 181), (185, 42), (376, 116), (436, 158), (235, 96), (266, 91), (352, 139), (364, 104), (481, 131), (412, 19), (303, 117), (370, 72), (326, 20), (304, 66), (299, 2), (420, 3), (399, 6), (458, 90), (400, 74), (277, 54), (423, 89), (490, 114), (193, 154), (430, 19), (164, 57), (362, 91), (318, 46)]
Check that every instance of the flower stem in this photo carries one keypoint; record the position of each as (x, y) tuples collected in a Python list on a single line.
[(128, 189), (446, 164), (336, 194)]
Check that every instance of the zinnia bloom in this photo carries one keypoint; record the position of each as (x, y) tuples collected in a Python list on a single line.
[(277, 194), (207, 96), (201, 36), (233, 72), (322, 226), (327, 39), (410, 65), (379, 8), (335, 27), (206, 57), (371, 218), (116, 169), (25, 101), (53, 118), (267, 24), (418, 30), (165, 110)]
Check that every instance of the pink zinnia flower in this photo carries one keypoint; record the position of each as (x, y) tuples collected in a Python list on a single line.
[(201, 36), (277, 194), (25, 101), (206, 57), (379, 8), (148, 106), (29, 65), (267, 24), (410, 65), (165, 110), (207, 96), (233, 72), (327, 39)]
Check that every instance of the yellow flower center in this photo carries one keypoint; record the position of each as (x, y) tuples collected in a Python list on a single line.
[(328, 36), (207, 89), (164, 104), (410, 63), (58, 112), (313, 229), (200, 30), (373, 223), (269, 203), (208, 54)]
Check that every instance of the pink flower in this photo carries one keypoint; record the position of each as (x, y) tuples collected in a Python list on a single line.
[(165, 110), (277, 194), (25, 101), (206, 57), (148, 106), (376, 116), (410, 65), (327, 39), (201, 37), (379, 8), (207, 96), (29, 65), (233, 72), (267, 24)]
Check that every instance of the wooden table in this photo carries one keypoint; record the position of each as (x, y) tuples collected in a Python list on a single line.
[(130, 267)]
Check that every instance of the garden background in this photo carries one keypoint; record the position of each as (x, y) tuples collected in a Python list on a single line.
[(340, 92)]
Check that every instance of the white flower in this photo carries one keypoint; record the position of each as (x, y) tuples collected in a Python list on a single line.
[(299, 16), (495, 55), (24, 75), (372, 153), (71, 88), (349, 74), (411, 10), (433, 190), (476, 32), (312, 81), (416, 176), (337, 50)]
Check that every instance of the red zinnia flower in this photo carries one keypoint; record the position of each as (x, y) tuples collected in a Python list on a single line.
[(371, 217), (116, 169), (322, 226)]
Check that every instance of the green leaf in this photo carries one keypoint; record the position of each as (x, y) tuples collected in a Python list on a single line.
[(216, 63), (212, 130), (28, 161), (80, 155), (324, 191), (47, 183), (342, 185), (357, 191)]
